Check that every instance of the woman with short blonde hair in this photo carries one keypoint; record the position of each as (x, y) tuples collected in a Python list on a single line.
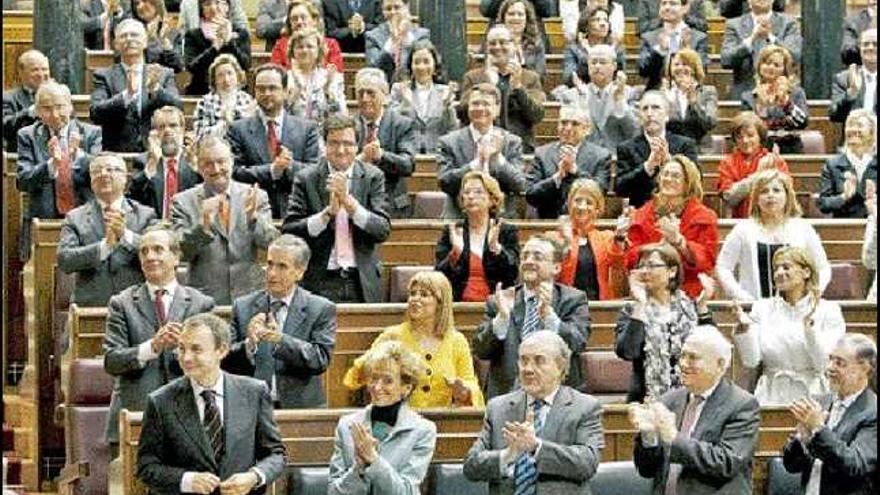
[(845, 176)]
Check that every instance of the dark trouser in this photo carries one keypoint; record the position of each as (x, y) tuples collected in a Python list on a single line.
[(341, 286)]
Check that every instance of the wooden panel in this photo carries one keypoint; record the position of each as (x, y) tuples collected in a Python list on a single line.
[(18, 35)]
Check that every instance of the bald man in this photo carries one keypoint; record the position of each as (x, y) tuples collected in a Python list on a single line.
[(18, 105)]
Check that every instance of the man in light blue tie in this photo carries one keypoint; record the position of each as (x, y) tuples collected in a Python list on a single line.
[(543, 438)]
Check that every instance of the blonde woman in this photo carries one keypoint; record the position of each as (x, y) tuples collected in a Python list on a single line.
[(315, 91)]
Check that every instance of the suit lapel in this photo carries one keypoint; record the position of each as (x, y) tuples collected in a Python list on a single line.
[(234, 403), (357, 183), (518, 315), (188, 416), (469, 146), (146, 307), (516, 410), (96, 219), (295, 313), (851, 415), (557, 412), (321, 185), (179, 304), (711, 409), (258, 134)]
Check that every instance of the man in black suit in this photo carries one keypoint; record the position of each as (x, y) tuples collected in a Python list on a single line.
[(385, 138), (853, 27), (649, 20), (340, 208), (19, 110), (209, 431), (558, 164), (164, 170), (856, 86), (835, 444), (348, 20), (125, 95), (271, 147), (284, 334), (639, 159), (736, 8)]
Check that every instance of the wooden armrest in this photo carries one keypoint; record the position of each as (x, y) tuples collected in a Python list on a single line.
[(70, 474)]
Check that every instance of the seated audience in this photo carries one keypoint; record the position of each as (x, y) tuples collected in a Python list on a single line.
[(272, 19), (789, 334), (423, 96), (661, 44), (214, 35), (301, 15), (736, 8), (480, 252), (283, 334), (543, 8), (694, 105), (572, 11), (648, 18), (389, 44), (125, 95), (557, 165), (853, 27), (737, 170), (97, 19), (347, 20), (315, 90), (844, 176), (164, 41), (856, 86), (226, 102), (19, 109), (702, 436), (774, 223), (528, 47), (222, 223), (593, 29), (428, 331), (99, 240), (869, 248), (536, 304), (190, 14), (835, 442), (339, 207), (386, 447), (654, 324)]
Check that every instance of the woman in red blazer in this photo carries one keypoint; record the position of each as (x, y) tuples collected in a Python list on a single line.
[(302, 14)]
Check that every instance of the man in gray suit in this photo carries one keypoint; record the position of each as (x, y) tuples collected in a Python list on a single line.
[(558, 164), (544, 438), (271, 19), (389, 44), (746, 35), (856, 86), (699, 439), (672, 34), (537, 304), (284, 334), (19, 110), (340, 208), (222, 224), (209, 431), (648, 19), (835, 444), (143, 324), (853, 26), (99, 240), (481, 146)]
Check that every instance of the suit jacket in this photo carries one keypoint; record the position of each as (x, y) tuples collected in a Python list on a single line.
[(396, 137), (613, 123), (253, 162), (848, 451), (549, 199), (455, 153), (717, 457), (649, 17), (652, 63), (79, 251), (632, 180), (404, 456), (375, 40), (336, 16), (174, 440), (222, 264), (736, 8), (310, 196), (299, 359), (841, 103), (150, 191), (853, 26), (570, 305), (502, 267), (16, 115), (90, 21), (571, 443), (131, 321), (741, 58), (199, 53), (429, 123), (271, 19), (576, 60), (699, 118), (125, 127), (831, 187)]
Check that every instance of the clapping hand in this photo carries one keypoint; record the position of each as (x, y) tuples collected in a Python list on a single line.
[(664, 419), (809, 414), (853, 81), (365, 445), (283, 160), (520, 436), (567, 165), (205, 483), (849, 185), (494, 233), (545, 299), (74, 139), (166, 337), (55, 151), (743, 319), (771, 160), (250, 202), (154, 73), (239, 483), (461, 393), (515, 70), (210, 210), (456, 238), (114, 225), (619, 86), (871, 197), (624, 221), (659, 154), (504, 299), (669, 227), (641, 417), (637, 289), (708, 292), (372, 151), (356, 24)]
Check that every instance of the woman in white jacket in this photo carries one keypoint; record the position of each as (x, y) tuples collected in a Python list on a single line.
[(775, 222)]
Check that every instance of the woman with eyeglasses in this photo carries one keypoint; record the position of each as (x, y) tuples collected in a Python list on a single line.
[(302, 15)]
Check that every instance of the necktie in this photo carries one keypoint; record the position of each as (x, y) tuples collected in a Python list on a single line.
[(160, 306), (64, 198), (533, 318), (525, 471), (170, 185), (687, 426), (224, 214), (372, 132), (213, 425), (342, 239), (276, 307), (272, 139)]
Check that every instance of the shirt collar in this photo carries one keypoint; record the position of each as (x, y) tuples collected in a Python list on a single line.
[(708, 392), (849, 399), (475, 134), (217, 388), (279, 120), (424, 87), (548, 401), (116, 204), (137, 67), (169, 288), (286, 299), (376, 122)]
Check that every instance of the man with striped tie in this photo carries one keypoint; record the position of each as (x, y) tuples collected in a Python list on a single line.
[(538, 303), (544, 438)]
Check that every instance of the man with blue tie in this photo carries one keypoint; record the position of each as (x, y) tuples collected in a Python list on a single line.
[(543, 438)]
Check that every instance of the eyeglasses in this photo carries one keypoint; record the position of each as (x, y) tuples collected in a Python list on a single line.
[(341, 144), (108, 170), (649, 266)]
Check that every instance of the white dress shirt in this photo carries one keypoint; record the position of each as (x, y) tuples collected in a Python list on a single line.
[(127, 236), (870, 81), (317, 222), (838, 408), (507, 464), (145, 349)]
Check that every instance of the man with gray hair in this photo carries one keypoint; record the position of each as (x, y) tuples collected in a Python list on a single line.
[(19, 110), (835, 444), (284, 334), (544, 437), (856, 86), (700, 438)]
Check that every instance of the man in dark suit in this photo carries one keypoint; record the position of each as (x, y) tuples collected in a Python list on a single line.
[(284, 334), (672, 34), (558, 164), (480, 146), (856, 86), (53, 159), (125, 95), (164, 170), (340, 208), (694, 15), (385, 138), (143, 324), (19, 110), (543, 438), (853, 27), (699, 439), (99, 240), (736, 8), (271, 19), (835, 444), (390, 44), (640, 158), (536, 304), (272, 146), (348, 20), (209, 431), (745, 36)]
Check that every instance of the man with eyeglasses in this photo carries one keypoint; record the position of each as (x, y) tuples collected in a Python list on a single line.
[(340, 208), (99, 240)]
